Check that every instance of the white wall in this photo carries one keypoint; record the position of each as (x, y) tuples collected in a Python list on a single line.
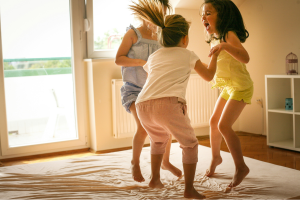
[(274, 33), (99, 73)]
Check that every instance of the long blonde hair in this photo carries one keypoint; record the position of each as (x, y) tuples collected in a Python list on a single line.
[(171, 28)]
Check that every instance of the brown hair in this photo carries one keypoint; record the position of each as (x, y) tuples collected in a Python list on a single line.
[(171, 28), (166, 4), (229, 18)]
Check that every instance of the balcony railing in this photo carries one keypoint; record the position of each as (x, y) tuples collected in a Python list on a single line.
[(39, 100), (19, 67)]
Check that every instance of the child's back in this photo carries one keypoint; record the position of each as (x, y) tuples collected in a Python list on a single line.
[(169, 70)]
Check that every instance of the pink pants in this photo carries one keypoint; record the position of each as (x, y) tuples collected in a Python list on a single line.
[(164, 116)]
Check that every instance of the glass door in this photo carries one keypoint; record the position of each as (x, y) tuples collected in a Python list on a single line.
[(38, 75)]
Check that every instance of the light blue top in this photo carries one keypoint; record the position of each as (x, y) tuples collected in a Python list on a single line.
[(142, 49)]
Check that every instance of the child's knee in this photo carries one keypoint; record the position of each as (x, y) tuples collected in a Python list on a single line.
[(224, 127), (141, 131), (190, 155), (158, 147), (213, 122)]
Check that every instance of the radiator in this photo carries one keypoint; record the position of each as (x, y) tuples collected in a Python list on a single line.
[(200, 103), (200, 100)]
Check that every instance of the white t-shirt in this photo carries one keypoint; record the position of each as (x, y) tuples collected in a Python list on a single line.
[(168, 69)]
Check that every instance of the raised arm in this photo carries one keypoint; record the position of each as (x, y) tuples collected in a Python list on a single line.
[(121, 58), (234, 47), (207, 72)]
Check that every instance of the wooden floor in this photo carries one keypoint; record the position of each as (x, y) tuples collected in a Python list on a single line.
[(253, 146)]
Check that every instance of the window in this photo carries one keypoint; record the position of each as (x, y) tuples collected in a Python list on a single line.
[(107, 22), (38, 80)]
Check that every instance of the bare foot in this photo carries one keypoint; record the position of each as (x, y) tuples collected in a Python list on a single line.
[(174, 170), (156, 183), (239, 176), (136, 173), (213, 165), (191, 193)]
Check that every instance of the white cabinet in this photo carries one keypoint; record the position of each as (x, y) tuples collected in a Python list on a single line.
[(283, 126)]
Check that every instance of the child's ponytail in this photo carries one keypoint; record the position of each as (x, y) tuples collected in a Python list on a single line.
[(170, 28), (148, 10)]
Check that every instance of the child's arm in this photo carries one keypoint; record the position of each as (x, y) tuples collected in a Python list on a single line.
[(121, 58), (207, 72), (234, 47)]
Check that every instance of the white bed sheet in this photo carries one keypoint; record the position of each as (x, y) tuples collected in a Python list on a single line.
[(107, 176)]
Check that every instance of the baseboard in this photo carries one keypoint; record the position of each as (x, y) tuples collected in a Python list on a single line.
[(45, 155), (241, 133)]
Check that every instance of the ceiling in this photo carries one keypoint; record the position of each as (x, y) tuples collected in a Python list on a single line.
[(195, 4)]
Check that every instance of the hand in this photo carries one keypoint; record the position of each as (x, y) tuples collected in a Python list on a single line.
[(216, 50)]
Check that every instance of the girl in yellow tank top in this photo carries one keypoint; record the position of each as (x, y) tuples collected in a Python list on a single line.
[(225, 33), (231, 72)]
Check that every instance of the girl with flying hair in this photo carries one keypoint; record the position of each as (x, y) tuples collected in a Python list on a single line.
[(137, 45), (161, 105)]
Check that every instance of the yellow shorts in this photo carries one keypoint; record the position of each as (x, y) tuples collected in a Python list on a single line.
[(230, 93)]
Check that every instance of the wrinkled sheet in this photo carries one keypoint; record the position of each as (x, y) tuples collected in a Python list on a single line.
[(107, 176)]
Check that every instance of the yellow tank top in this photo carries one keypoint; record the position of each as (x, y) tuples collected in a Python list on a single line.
[(230, 72)]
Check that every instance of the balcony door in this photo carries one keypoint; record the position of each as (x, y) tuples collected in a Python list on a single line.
[(38, 108)]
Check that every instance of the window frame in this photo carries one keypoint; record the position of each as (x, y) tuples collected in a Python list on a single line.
[(78, 53), (89, 28)]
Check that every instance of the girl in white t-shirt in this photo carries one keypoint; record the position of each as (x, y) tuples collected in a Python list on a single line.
[(137, 44), (161, 104)]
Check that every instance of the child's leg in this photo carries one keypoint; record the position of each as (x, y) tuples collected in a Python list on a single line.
[(168, 116), (156, 160), (166, 165), (158, 139), (178, 123), (231, 112), (189, 175), (137, 145), (215, 136)]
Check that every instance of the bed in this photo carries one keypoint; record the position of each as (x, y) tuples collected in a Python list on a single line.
[(107, 176)]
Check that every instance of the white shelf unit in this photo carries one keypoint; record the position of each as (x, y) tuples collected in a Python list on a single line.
[(283, 126)]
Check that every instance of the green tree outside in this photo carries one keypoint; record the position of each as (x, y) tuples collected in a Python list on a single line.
[(8, 66), (102, 43), (51, 64)]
